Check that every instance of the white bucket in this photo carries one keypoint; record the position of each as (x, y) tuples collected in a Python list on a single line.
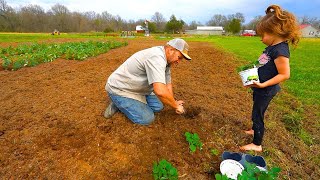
[(249, 76), (231, 168)]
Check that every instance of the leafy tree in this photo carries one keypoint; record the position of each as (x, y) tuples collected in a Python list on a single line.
[(174, 25), (152, 27), (234, 26)]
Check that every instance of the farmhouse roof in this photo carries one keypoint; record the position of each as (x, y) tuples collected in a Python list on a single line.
[(210, 28), (302, 26), (139, 28)]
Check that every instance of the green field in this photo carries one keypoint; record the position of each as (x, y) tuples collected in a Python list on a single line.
[(295, 110), (304, 82), (35, 37), (302, 87)]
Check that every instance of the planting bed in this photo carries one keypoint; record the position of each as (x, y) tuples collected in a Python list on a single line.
[(51, 123)]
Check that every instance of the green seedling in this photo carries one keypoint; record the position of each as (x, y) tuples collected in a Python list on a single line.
[(247, 66), (164, 170), (214, 152), (194, 141), (253, 77), (253, 172), (221, 177)]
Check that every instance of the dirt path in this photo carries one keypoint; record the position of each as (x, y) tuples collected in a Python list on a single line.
[(51, 123)]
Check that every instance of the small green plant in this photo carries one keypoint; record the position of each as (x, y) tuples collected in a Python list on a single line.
[(164, 170), (253, 172), (6, 62), (214, 152), (14, 58), (221, 177), (253, 77), (194, 141), (247, 66)]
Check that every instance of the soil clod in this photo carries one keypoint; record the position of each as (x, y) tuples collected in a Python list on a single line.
[(192, 112)]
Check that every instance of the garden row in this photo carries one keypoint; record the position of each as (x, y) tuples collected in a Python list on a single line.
[(14, 58), (165, 170)]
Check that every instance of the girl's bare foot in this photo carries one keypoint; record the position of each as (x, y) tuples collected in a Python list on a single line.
[(250, 147), (250, 132)]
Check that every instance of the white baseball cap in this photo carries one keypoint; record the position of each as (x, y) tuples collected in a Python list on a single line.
[(181, 46)]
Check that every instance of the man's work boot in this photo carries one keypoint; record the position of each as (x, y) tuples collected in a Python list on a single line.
[(110, 111)]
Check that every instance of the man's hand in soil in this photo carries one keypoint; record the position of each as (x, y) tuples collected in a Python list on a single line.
[(180, 109)]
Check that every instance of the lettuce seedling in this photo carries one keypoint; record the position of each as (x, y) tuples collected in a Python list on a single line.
[(194, 141), (164, 170)]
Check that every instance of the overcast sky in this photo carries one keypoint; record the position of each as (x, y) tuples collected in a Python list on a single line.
[(187, 10)]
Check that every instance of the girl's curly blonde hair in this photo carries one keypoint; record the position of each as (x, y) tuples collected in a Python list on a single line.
[(281, 23)]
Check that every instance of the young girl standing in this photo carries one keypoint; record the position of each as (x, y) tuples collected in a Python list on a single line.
[(277, 29)]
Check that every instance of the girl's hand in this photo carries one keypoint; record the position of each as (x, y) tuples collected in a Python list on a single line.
[(257, 85)]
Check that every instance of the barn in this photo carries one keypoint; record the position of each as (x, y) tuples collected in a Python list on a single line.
[(309, 31), (207, 30), (140, 29)]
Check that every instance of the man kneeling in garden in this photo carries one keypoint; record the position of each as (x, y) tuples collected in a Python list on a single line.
[(142, 84)]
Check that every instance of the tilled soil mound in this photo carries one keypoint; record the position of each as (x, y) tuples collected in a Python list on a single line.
[(51, 123)]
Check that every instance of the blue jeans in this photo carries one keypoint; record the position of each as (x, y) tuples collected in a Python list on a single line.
[(137, 111)]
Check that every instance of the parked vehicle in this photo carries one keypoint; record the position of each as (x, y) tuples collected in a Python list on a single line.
[(248, 33)]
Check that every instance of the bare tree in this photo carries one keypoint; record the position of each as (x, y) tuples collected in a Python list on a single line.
[(33, 19), (95, 20), (60, 17), (118, 23), (108, 21), (240, 16), (193, 25), (8, 18), (79, 23), (253, 23), (159, 21), (217, 20), (315, 22), (129, 25)]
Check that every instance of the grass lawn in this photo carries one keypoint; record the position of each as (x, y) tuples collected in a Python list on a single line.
[(304, 82), (35, 37)]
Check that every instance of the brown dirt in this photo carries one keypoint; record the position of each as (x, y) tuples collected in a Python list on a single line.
[(51, 123)]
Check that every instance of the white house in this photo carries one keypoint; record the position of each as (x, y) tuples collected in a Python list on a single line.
[(207, 30), (140, 29), (309, 31)]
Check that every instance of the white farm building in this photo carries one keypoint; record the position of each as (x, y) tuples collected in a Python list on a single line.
[(309, 31), (207, 30), (140, 29)]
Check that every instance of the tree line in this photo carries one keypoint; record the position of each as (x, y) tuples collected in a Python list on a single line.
[(33, 18)]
